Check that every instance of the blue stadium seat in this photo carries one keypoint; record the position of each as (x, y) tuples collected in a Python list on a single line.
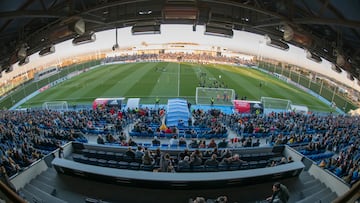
[(123, 165), (112, 164)]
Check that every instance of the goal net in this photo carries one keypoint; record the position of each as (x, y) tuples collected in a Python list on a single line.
[(56, 106), (220, 96), (275, 105)]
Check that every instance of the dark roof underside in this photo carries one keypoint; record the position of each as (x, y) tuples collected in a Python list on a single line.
[(328, 28)]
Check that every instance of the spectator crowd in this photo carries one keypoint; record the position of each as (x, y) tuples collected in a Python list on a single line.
[(26, 136)]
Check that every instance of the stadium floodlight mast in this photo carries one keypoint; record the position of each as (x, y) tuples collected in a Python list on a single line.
[(116, 45)]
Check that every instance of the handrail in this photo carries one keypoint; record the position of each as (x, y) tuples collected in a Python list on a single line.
[(10, 194), (350, 196)]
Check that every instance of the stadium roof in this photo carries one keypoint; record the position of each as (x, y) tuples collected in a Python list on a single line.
[(327, 28)]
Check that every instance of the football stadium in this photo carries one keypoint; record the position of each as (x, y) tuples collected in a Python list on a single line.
[(179, 101)]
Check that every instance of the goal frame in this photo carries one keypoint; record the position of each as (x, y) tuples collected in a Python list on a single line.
[(278, 108), (221, 96), (56, 106)]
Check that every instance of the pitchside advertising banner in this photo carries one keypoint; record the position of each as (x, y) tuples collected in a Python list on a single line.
[(107, 102), (244, 106)]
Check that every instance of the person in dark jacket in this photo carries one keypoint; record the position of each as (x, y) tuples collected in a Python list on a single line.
[(280, 194)]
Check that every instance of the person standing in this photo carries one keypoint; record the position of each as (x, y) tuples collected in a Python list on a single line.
[(280, 194)]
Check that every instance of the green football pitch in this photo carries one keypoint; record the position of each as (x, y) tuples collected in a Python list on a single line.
[(171, 80)]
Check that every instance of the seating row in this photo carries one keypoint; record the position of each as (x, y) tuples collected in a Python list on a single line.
[(120, 156), (139, 166), (181, 134)]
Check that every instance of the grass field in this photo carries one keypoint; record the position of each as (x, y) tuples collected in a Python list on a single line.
[(168, 80)]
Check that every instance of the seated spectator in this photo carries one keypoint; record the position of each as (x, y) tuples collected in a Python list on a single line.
[(174, 141), (184, 153), (130, 153), (155, 141), (147, 159), (194, 144), (110, 138), (223, 143), (226, 153), (122, 136), (124, 143), (166, 163), (100, 140), (195, 160), (248, 142), (131, 142), (257, 143), (168, 130), (221, 199), (202, 144), (199, 200), (235, 160), (212, 143), (212, 161), (184, 163), (182, 142), (234, 142), (157, 155), (139, 153)]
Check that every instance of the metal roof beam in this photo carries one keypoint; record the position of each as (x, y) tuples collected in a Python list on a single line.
[(29, 14), (315, 20)]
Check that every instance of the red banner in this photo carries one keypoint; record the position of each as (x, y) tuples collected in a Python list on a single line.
[(242, 106)]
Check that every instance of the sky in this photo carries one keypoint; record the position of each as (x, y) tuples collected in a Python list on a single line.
[(242, 41)]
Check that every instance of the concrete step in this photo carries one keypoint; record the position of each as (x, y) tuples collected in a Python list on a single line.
[(310, 182), (316, 196), (44, 196), (50, 173), (305, 176), (329, 197), (44, 187), (316, 186), (30, 197)]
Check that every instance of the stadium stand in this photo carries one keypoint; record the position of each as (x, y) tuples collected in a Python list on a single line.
[(315, 137)]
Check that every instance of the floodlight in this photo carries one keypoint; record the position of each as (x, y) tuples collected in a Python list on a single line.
[(219, 31), (336, 68), (24, 61), (314, 57), (350, 76), (279, 44), (47, 50), (8, 68), (83, 39), (145, 29)]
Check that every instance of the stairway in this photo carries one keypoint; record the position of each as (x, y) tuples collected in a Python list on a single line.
[(312, 191), (39, 190), (303, 189)]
